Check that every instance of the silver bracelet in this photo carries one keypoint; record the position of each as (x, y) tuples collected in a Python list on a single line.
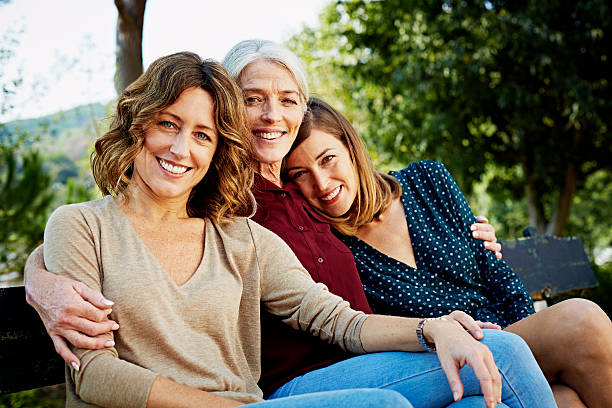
[(431, 347)]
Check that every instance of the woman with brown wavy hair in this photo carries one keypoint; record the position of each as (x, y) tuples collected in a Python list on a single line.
[(188, 274)]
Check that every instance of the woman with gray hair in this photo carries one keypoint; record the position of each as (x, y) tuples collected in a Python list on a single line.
[(275, 92)]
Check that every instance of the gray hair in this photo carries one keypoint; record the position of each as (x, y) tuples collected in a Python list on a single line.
[(248, 51)]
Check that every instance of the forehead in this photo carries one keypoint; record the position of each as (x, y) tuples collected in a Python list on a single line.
[(193, 105), (267, 75), (316, 143)]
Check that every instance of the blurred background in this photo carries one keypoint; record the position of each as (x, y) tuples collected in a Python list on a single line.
[(513, 96)]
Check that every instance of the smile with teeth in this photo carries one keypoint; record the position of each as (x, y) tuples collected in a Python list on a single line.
[(332, 194), (268, 135), (172, 168)]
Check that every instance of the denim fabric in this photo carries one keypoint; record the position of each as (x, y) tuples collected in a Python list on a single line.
[(354, 398), (420, 378)]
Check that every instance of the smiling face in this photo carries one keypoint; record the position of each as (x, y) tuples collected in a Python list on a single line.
[(322, 168), (274, 109), (178, 147)]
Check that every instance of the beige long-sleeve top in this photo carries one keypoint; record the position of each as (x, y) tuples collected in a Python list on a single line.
[(204, 333)]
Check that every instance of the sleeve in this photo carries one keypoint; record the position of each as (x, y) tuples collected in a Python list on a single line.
[(506, 291), (71, 250), (288, 291)]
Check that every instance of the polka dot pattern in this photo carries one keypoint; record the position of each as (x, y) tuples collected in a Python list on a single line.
[(454, 272)]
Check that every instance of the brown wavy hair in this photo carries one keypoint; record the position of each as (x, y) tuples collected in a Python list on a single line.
[(376, 190), (224, 191)]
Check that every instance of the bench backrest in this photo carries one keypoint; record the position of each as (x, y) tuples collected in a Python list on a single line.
[(27, 356), (549, 265)]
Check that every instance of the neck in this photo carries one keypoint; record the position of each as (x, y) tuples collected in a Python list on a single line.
[(142, 203), (270, 171)]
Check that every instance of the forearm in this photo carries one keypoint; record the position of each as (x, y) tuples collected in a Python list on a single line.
[(167, 393), (36, 277), (389, 333)]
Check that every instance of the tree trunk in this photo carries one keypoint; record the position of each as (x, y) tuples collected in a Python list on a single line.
[(129, 42), (535, 209), (558, 221)]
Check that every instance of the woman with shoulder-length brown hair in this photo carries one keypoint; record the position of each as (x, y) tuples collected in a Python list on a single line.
[(410, 232), (113, 158)]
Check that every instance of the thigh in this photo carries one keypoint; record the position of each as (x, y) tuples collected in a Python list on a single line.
[(547, 333), (419, 376), (414, 375), (356, 398)]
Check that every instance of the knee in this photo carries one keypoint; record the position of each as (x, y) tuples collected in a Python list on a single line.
[(581, 320), (510, 351), (507, 343)]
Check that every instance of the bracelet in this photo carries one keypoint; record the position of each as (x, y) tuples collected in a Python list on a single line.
[(431, 347)]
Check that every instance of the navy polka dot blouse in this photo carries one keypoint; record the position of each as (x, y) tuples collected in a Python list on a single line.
[(454, 272)]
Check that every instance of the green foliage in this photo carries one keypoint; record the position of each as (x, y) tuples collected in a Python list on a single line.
[(25, 200), (523, 86), (47, 397)]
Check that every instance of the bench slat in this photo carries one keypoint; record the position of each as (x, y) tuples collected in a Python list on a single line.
[(549, 265), (27, 356)]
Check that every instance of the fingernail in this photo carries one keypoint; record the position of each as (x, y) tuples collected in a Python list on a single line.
[(109, 343), (109, 311), (107, 302), (479, 333), (456, 395), (75, 366), (115, 326), (475, 234), (473, 227)]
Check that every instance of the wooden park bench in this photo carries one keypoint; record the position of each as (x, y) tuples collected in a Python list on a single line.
[(549, 265), (28, 360)]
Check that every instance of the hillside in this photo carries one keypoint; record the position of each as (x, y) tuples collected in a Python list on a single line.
[(64, 139)]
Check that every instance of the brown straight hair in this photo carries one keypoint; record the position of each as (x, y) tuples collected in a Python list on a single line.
[(224, 191), (376, 190)]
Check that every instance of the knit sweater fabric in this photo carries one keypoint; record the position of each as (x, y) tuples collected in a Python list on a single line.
[(204, 333)]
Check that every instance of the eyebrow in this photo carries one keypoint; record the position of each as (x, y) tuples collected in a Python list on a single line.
[(178, 118), (316, 158), (261, 90)]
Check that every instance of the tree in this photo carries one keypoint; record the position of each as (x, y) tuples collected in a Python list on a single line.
[(523, 87), (129, 41), (25, 199)]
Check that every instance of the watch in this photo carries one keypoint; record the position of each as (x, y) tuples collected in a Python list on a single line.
[(428, 346)]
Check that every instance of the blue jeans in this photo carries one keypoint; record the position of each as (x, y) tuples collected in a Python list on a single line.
[(419, 376), (354, 398)]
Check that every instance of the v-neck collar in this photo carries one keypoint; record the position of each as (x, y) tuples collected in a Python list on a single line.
[(121, 215)]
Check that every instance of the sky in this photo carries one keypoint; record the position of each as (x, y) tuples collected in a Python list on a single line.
[(64, 50)]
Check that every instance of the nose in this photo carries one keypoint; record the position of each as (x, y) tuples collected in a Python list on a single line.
[(180, 145), (320, 181), (271, 111)]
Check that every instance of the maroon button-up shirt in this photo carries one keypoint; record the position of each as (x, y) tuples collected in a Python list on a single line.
[(288, 353)]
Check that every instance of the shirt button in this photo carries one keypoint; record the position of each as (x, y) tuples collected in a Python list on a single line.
[(300, 228), (320, 260)]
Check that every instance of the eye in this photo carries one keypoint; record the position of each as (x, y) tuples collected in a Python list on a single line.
[(202, 136), (166, 125), (251, 100), (327, 159), (289, 101), (297, 174)]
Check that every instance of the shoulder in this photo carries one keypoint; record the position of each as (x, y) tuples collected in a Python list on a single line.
[(422, 170), (85, 211)]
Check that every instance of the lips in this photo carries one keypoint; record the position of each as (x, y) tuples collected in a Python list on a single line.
[(331, 195), (268, 135), (172, 168)]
